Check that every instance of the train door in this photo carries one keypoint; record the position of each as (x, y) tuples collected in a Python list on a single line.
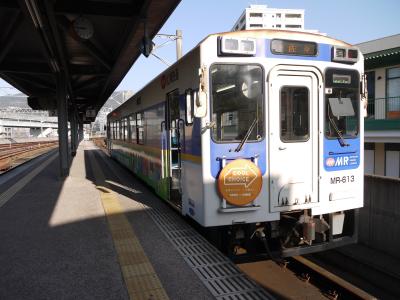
[(293, 139), (172, 161)]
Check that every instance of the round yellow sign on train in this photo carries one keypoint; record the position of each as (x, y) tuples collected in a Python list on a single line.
[(240, 182)]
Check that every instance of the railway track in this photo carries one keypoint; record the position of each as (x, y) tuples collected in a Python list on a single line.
[(379, 279), (299, 278), (14, 154), (331, 285)]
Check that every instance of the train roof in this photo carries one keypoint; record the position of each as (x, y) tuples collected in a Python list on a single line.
[(255, 33), (282, 34)]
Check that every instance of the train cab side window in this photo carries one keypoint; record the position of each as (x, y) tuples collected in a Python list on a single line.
[(189, 106), (140, 128), (132, 124), (237, 102), (294, 114)]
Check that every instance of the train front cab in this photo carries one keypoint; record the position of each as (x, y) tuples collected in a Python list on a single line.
[(300, 124)]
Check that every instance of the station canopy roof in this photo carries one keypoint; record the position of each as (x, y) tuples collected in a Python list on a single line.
[(90, 43), (381, 52)]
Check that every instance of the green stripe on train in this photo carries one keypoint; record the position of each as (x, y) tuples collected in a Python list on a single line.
[(133, 163)]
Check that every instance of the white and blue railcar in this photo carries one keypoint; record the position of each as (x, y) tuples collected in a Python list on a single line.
[(254, 134)]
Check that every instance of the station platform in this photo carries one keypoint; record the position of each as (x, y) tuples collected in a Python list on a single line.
[(100, 233)]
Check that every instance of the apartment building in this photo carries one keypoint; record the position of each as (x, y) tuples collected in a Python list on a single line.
[(263, 17)]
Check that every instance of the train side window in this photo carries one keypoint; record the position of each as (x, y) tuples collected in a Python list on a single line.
[(140, 128), (132, 124), (294, 114), (125, 129), (189, 106), (118, 123)]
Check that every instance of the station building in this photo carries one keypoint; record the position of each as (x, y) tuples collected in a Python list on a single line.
[(382, 125)]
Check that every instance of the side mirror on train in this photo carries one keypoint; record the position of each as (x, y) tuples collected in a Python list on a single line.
[(200, 104)]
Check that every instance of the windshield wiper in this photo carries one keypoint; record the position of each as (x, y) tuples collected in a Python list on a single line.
[(247, 135), (340, 136)]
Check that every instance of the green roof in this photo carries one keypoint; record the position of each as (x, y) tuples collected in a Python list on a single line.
[(381, 59), (381, 54)]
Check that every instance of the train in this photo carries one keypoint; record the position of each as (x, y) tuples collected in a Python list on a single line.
[(255, 136)]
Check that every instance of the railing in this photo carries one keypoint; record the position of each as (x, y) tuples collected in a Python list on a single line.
[(384, 108)]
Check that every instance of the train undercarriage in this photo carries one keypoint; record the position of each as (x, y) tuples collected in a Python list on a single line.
[(296, 233)]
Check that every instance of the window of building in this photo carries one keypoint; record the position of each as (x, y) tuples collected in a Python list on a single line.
[(371, 84), (292, 26), (278, 25), (294, 113), (278, 15), (293, 15), (256, 15), (256, 26), (393, 90)]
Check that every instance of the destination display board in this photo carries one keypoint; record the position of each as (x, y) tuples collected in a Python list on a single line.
[(289, 47)]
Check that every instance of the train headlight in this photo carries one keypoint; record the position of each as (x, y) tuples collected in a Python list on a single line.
[(236, 46), (344, 55)]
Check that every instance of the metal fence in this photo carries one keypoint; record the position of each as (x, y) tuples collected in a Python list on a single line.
[(380, 217), (384, 108)]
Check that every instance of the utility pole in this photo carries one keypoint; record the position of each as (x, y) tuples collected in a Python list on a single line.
[(177, 37), (178, 44)]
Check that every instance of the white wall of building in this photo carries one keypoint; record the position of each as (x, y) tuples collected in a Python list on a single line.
[(369, 162), (263, 17)]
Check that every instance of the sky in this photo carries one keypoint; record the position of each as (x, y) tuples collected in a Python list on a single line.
[(353, 21)]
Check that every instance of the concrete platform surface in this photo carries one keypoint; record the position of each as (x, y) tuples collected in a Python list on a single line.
[(73, 238)]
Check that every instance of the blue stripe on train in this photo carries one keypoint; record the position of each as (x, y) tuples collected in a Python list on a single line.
[(338, 158), (249, 150)]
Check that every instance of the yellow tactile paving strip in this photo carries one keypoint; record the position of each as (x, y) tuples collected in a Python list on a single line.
[(140, 278)]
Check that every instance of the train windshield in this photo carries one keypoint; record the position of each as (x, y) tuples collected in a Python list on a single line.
[(342, 104), (237, 102)]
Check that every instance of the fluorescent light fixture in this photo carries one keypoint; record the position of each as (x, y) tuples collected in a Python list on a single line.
[(225, 88)]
